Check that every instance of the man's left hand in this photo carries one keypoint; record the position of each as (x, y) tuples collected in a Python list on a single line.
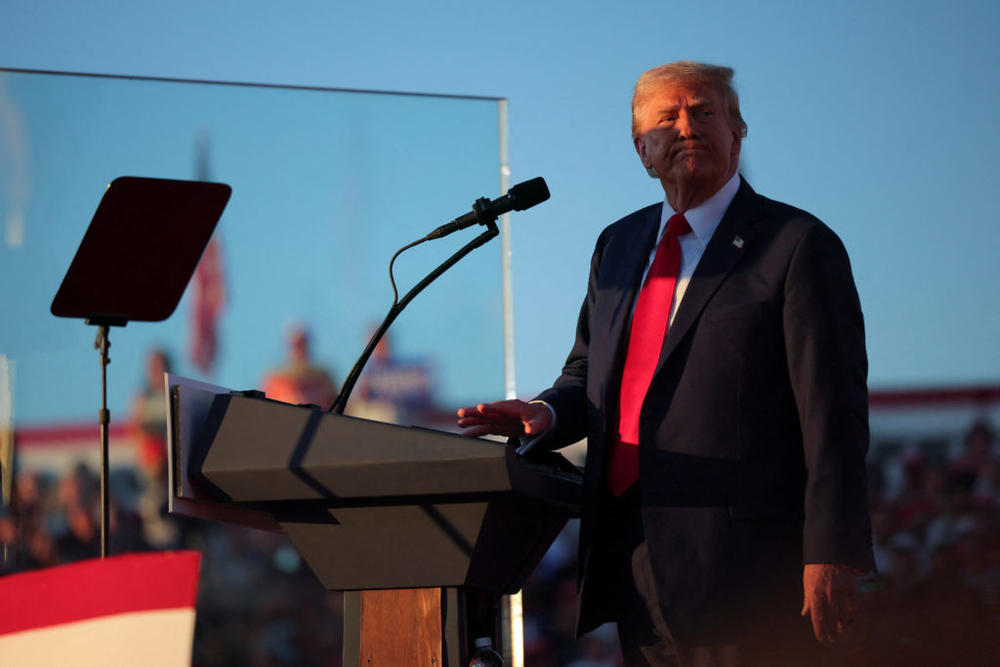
[(830, 598)]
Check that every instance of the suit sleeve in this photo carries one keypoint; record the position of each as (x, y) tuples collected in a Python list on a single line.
[(828, 368)]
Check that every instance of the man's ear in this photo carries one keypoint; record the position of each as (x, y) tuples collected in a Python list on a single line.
[(737, 143), (640, 147)]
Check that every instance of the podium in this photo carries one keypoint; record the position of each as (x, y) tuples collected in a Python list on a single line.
[(372, 507)]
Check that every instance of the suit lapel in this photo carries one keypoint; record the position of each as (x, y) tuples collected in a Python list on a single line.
[(626, 260), (731, 240)]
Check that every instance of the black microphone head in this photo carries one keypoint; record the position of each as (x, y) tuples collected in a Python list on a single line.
[(527, 194)]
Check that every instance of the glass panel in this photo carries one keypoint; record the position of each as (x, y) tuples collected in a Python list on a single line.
[(326, 186)]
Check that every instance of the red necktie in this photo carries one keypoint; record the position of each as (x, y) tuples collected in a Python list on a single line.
[(649, 327)]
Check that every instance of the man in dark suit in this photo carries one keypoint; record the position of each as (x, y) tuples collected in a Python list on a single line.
[(719, 374)]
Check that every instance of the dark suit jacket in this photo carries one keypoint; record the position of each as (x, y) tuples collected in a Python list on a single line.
[(754, 431)]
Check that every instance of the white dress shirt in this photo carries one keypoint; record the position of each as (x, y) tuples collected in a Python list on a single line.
[(704, 219)]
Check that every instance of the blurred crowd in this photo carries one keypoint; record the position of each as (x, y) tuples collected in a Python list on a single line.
[(934, 600), (258, 604), (936, 532)]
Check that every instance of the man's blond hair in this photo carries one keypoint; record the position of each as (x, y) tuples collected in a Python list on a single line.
[(685, 70)]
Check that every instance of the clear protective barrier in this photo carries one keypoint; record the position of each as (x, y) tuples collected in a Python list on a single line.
[(327, 185)]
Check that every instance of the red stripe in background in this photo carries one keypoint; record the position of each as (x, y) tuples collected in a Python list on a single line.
[(62, 434), (95, 588), (913, 398)]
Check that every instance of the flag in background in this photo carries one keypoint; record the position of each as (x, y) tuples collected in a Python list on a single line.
[(208, 285), (134, 609)]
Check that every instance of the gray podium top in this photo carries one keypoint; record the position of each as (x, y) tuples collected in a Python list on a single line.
[(368, 504)]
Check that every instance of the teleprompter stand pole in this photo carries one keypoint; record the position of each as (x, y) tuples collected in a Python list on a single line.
[(101, 344)]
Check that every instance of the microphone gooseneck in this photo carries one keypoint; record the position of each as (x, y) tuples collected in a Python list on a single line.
[(485, 212)]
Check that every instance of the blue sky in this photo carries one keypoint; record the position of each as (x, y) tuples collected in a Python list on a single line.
[(877, 117)]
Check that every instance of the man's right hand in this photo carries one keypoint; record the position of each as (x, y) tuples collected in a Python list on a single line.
[(512, 418)]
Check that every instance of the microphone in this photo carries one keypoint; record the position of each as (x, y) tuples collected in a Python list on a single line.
[(518, 198)]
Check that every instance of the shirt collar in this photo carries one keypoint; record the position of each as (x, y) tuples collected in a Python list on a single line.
[(705, 217)]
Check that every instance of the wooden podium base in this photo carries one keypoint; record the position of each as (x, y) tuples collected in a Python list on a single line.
[(414, 626), (412, 618)]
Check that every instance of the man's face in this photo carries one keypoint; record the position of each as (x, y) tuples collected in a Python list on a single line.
[(685, 135)]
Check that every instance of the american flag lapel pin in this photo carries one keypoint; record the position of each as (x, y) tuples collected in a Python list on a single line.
[(738, 241)]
